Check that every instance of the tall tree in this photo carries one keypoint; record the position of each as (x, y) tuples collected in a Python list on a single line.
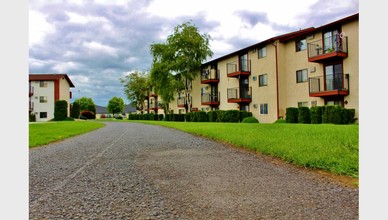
[(136, 88), (182, 56), (116, 105), (86, 104)]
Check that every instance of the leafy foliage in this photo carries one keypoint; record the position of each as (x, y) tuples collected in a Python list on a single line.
[(136, 88), (116, 105), (75, 110), (86, 104), (60, 110)]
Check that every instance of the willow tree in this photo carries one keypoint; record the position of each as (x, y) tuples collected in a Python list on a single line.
[(177, 61), (136, 88)]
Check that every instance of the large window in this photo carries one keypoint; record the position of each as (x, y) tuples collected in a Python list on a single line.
[(263, 80), (263, 109), (300, 44), (262, 52), (43, 99), (301, 76), (303, 104)]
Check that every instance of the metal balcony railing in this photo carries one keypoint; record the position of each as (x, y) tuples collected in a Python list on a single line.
[(238, 67), (210, 75), (181, 102), (337, 43), (240, 94), (210, 99), (329, 85)]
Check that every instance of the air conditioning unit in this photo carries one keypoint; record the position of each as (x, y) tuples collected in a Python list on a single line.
[(36, 97), (255, 105), (312, 69)]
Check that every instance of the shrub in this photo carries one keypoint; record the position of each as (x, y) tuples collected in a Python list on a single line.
[(212, 116), (201, 116), (88, 115), (160, 117), (75, 110), (316, 114), (250, 119), (119, 117), (244, 114), (347, 116), (60, 110), (304, 115), (231, 116), (280, 121), (332, 114), (292, 115)]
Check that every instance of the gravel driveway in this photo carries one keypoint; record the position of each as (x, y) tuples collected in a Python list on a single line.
[(137, 171)]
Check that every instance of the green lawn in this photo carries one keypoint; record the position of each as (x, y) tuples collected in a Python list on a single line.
[(333, 148), (47, 132)]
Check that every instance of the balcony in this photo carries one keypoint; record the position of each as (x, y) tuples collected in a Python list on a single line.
[(331, 86), (181, 102), (329, 49), (31, 106), (240, 94), (210, 99), (238, 68), (210, 76), (31, 91), (155, 106), (152, 94)]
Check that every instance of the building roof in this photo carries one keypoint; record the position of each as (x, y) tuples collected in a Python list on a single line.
[(102, 110), (50, 77), (286, 37)]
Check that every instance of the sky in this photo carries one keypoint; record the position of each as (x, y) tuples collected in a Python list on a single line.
[(98, 42)]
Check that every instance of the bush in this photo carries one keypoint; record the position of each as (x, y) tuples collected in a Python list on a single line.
[(87, 115), (347, 116), (75, 110), (244, 114), (119, 117), (201, 116), (316, 114), (212, 116), (304, 115), (280, 121), (250, 119), (292, 115), (160, 117), (60, 110), (332, 114)]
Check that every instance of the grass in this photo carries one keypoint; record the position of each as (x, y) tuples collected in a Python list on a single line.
[(333, 148), (48, 132)]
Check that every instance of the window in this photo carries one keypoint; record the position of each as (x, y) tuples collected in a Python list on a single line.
[(300, 45), (263, 109), (303, 104), (263, 80), (43, 83), (42, 114), (262, 52), (301, 76), (313, 103), (43, 99)]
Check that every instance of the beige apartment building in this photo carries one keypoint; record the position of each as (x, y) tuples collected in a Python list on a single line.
[(309, 67), (44, 90)]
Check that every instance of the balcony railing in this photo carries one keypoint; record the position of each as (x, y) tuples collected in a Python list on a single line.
[(330, 47), (31, 106), (240, 94), (331, 85), (210, 99), (237, 68), (209, 76), (31, 91), (181, 102)]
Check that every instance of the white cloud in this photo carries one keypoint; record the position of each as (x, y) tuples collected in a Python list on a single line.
[(77, 18), (39, 28), (65, 67), (98, 47)]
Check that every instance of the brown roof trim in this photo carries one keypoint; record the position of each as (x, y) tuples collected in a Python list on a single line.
[(50, 77)]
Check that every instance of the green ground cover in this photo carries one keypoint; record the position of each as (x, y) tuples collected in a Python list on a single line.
[(47, 132)]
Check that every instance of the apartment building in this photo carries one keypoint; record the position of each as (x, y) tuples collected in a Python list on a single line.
[(44, 90), (309, 67)]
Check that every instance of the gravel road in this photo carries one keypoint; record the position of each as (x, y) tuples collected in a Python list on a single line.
[(137, 171)]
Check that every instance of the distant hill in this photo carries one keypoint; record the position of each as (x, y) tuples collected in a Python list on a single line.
[(103, 110)]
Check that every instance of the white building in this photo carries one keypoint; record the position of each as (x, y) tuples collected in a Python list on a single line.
[(45, 90)]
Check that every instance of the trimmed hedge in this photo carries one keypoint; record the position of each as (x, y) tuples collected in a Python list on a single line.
[(316, 114), (304, 115), (87, 115), (292, 115), (250, 119), (60, 110)]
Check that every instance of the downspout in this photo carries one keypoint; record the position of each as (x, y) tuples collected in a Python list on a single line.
[(277, 80)]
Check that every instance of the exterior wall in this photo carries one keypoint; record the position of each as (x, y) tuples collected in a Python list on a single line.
[(226, 83), (351, 65), (43, 107), (64, 93)]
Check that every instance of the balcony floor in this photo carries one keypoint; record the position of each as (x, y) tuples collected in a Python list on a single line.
[(330, 93)]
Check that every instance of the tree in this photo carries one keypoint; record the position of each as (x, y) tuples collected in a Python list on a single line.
[(60, 110), (181, 56), (136, 88), (86, 104), (116, 105)]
